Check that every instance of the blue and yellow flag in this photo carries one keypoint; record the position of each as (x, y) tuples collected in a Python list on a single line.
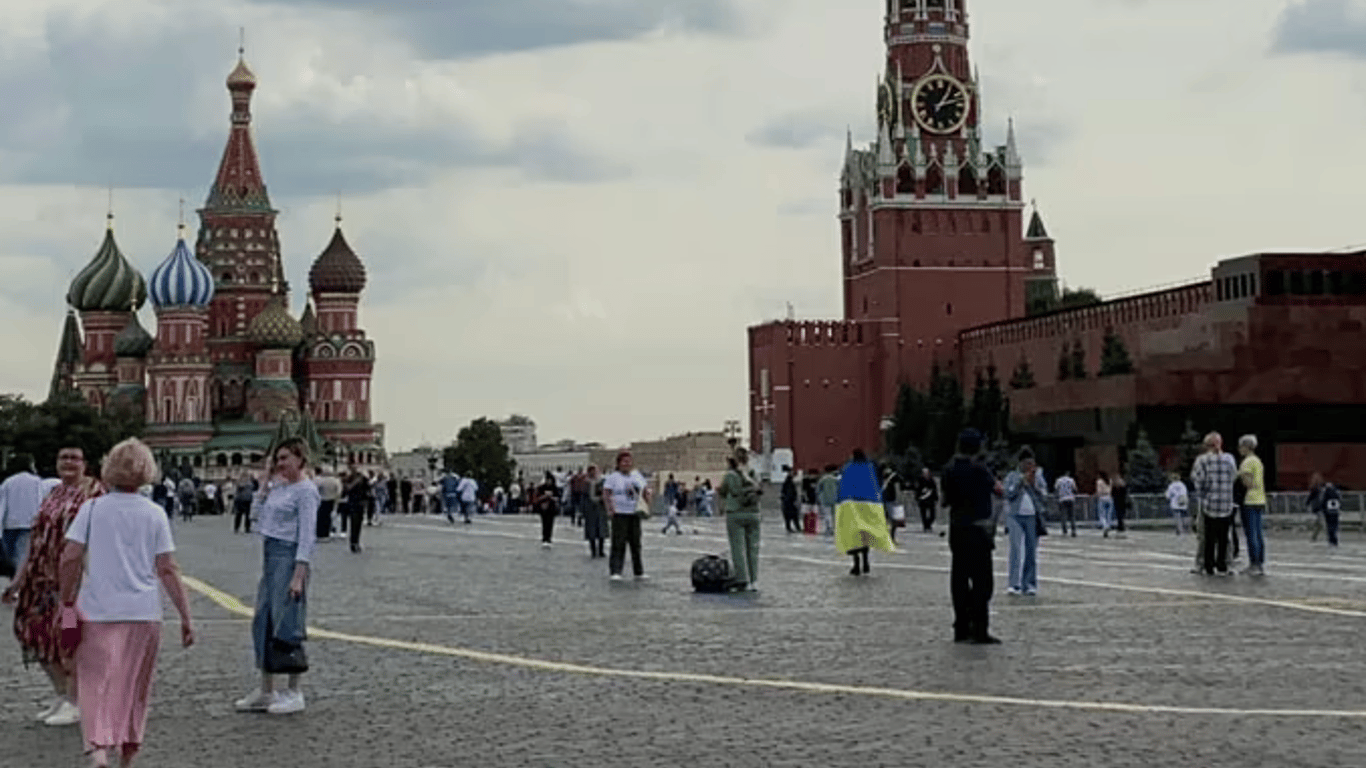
[(859, 517)]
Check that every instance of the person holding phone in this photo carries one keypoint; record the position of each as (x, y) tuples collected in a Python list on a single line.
[(287, 512)]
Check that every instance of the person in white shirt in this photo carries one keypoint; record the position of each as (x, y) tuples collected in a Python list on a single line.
[(118, 548), (469, 496), (1066, 489), (1178, 500), (20, 496), (623, 493)]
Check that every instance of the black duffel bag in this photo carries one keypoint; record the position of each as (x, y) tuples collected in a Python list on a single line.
[(710, 574)]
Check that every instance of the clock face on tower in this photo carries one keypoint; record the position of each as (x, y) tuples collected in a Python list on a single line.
[(941, 104)]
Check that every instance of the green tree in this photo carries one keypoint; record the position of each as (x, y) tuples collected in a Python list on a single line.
[(910, 421), (1190, 448), (987, 408), (1078, 368), (1080, 297), (479, 452), (946, 416), (63, 420), (1023, 377), (1145, 473), (1114, 356)]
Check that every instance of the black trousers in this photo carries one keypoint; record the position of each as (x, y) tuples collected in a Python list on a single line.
[(354, 515), (325, 510), (1216, 543), (241, 517), (970, 579), (625, 533), (1067, 511), (927, 516), (548, 523), (1121, 510)]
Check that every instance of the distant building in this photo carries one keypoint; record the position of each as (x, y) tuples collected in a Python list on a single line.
[(416, 464), (519, 434), (533, 466)]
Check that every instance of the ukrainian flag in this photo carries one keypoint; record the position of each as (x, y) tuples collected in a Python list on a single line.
[(859, 517)]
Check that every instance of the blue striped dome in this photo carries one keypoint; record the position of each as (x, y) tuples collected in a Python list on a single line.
[(181, 280)]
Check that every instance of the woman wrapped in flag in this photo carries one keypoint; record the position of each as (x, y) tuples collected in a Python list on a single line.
[(860, 522)]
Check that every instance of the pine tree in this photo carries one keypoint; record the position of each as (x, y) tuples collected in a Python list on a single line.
[(1114, 356), (945, 416), (910, 421), (1078, 360), (994, 407), (1023, 377), (1192, 445), (1145, 471)]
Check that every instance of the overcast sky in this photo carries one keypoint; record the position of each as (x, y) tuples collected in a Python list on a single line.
[(573, 208)]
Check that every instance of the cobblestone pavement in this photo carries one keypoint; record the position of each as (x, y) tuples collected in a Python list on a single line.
[(1124, 659)]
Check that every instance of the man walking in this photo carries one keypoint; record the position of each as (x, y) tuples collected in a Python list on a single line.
[(469, 496), (927, 497), (827, 496), (329, 491), (450, 494), (1066, 489), (1253, 475), (1212, 477), (968, 489), (20, 496)]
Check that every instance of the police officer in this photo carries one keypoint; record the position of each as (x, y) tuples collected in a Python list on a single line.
[(968, 487)]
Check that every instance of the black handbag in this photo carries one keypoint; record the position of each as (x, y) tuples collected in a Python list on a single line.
[(284, 658)]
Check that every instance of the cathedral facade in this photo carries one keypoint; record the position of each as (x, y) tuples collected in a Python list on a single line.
[(229, 368)]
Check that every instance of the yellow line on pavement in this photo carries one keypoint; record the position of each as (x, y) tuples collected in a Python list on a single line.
[(232, 604)]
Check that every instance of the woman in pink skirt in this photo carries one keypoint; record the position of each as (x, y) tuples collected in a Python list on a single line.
[(112, 588)]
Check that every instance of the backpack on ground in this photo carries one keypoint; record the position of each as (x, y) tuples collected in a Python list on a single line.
[(710, 574)]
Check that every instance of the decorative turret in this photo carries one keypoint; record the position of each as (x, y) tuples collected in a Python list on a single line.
[(239, 186), (338, 269), (309, 321), (181, 280), (109, 283), (133, 341), (68, 358), (274, 328)]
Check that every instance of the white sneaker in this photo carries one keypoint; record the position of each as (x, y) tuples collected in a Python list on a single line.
[(545, 545), (66, 714), (643, 577), (1012, 591), (287, 703), (615, 577), (256, 701), (50, 709)]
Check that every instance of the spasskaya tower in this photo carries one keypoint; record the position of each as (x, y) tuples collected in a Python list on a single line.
[(933, 241)]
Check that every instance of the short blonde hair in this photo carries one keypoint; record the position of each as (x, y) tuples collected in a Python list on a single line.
[(129, 465)]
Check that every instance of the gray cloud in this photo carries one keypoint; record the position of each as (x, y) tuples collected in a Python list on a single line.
[(104, 107), (456, 29), (805, 129), (1321, 26)]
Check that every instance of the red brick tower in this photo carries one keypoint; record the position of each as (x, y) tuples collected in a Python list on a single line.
[(931, 218), (338, 359), (238, 242), (933, 242)]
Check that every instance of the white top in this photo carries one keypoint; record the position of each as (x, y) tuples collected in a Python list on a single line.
[(290, 513), (1177, 498), (120, 581), (1066, 488), (467, 488), (625, 489), (1102, 489), (20, 497), (1026, 504)]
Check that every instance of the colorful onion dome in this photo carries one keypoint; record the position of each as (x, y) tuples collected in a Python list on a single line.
[(133, 340), (108, 283), (181, 280), (241, 76), (338, 269), (274, 328)]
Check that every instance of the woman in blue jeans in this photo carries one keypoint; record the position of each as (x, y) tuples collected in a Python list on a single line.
[(1025, 495), (287, 511)]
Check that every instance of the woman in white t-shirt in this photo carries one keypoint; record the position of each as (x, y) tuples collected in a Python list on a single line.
[(1105, 504), (1178, 500), (119, 603), (625, 495)]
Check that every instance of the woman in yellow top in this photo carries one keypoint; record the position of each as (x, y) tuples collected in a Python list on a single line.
[(1253, 474)]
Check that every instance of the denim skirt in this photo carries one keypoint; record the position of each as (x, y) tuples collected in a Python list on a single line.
[(278, 615)]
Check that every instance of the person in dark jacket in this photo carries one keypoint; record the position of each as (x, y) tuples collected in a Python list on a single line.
[(927, 497), (1325, 501), (968, 490), (792, 519)]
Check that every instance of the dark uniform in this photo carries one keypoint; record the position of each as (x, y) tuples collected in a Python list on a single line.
[(968, 487)]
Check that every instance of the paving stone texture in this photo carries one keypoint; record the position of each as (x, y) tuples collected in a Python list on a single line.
[(1117, 621)]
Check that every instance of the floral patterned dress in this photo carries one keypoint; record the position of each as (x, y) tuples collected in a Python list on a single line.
[(37, 605)]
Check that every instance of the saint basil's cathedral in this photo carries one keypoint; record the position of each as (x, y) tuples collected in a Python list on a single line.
[(229, 370)]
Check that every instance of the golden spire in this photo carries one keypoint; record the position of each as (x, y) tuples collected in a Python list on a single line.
[(109, 212)]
